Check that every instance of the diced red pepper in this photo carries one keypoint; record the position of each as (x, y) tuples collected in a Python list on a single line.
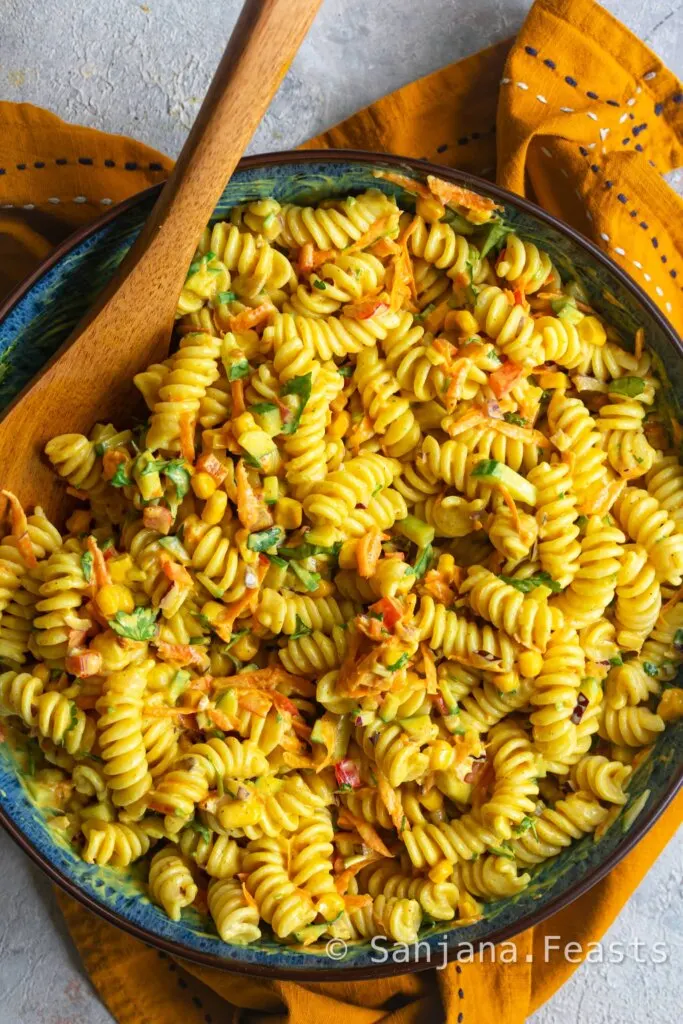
[(347, 774), (390, 609)]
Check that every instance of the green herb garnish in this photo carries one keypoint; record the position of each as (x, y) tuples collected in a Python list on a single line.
[(136, 625), (539, 579)]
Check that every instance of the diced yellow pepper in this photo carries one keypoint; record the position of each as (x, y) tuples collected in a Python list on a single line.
[(113, 598), (464, 320), (340, 424), (288, 513), (119, 568), (671, 705)]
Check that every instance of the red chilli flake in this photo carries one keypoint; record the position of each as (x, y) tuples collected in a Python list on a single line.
[(579, 710)]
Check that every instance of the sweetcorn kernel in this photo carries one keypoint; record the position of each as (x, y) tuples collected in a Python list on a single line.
[(113, 598), (441, 872), (203, 485), (463, 321), (506, 682), (591, 331), (530, 664), (212, 609), (324, 589), (246, 648), (238, 813), (215, 507), (429, 209), (288, 513), (340, 424), (330, 905), (671, 705), (241, 424)]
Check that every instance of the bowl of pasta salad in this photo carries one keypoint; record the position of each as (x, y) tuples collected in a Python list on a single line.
[(365, 626)]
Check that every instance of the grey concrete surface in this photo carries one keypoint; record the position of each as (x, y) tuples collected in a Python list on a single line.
[(142, 69)]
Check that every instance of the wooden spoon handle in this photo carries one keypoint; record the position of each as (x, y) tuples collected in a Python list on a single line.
[(264, 41)]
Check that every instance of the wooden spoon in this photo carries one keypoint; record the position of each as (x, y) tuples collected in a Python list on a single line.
[(89, 379)]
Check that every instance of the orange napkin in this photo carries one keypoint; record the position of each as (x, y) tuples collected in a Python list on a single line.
[(577, 114)]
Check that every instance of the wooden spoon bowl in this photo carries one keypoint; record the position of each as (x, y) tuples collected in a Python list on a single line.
[(89, 379)]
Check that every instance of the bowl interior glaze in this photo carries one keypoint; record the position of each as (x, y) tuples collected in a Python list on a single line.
[(35, 321)]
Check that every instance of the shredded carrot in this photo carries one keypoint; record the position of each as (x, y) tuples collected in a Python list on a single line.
[(459, 370), (639, 343), (599, 498), (20, 531), (392, 802), (505, 377), (248, 898), (403, 283), (368, 307), (100, 571), (187, 424), (510, 502), (311, 258), (434, 321), (368, 551), (409, 184), (446, 192), (429, 667), (341, 882), (226, 621), (472, 418), (76, 493), (237, 396), (407, 232), (265, 679), (384, 247), (251, 318), (181, 654), (380, 227), (356, 901), (255, 701), (111, 460), (251, 508), (223, 721), (83, 664), (175, 572), (528, 435), (163, 711), (365, 831)]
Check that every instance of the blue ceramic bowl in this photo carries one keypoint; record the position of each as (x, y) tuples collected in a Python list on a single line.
[(37, 319)]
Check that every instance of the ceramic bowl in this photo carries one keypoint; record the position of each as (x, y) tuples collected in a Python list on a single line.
[(34, 322)]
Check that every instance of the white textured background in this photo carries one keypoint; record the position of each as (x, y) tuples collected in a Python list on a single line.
[(141, 69)]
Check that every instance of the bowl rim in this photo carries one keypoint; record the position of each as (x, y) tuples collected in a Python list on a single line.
[(643, 822)]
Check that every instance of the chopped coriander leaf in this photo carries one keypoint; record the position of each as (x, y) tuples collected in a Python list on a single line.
[(86, 566), (514, 417), (262, 407), (539, 579), (265, 539), (120, 477), (403, 660), (203, 830), (300, 388), (238, 370), (422, 563), (300, 629), (224, 297), (139, 624), (345, 370), (582, 521), (486, 467), (497, 232), (320, 285), (650, 669), (616, 660)]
